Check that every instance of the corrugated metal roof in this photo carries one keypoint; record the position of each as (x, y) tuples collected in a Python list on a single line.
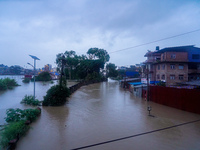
[(178, 49), (135, 83)]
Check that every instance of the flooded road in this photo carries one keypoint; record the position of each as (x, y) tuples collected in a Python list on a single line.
[(12, 98), (102, 112)]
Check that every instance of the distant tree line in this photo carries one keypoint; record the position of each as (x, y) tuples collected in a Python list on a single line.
[(13, 70)]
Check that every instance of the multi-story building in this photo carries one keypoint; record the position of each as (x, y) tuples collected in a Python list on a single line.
[(174, 64), (48, 67)]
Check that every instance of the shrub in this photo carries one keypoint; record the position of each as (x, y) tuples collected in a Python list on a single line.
[(14, 115), (2, 85), (13, 131), (10, 83), (26, 80), (29, 100), (31, 114), (43, 76), (56, 96), (7, 83)]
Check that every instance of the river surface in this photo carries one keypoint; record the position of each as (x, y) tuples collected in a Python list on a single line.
[(103, 112)]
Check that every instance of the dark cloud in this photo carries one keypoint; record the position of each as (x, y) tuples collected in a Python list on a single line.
[(47, 27)]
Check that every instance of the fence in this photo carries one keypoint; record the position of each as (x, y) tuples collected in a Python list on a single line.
[(184, 99)]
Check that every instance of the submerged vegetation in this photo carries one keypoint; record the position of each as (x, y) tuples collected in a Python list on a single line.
[(18, 124), (14, 115), (43, 76), (26, 80), (7, 83), (12, 132), (56, 96), (29, 100)]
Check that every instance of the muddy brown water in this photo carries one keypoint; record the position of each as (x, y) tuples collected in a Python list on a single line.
[(102, 112)]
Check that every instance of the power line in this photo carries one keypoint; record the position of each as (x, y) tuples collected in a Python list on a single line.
[(156, 41), (140, 134)]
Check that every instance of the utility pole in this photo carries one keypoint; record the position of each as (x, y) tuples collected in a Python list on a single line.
[(62, 65), (35, 58), (149, 108)]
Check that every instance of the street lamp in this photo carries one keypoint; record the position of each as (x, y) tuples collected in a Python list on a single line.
[(35, 58)]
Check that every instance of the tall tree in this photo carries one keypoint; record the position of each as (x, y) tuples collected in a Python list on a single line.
[(81, 66), (111, 70), (96, 53)]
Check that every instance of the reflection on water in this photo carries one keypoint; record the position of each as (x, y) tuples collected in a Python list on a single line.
[(101, 112), (11, 98)]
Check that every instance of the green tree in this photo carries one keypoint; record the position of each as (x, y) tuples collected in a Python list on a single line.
[(72, 60), (96, 53), (43, 76), (56, 96), (111, 70), (79, 67)]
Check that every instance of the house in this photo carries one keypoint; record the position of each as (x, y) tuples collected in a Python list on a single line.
[(136, 88), (173, 64)]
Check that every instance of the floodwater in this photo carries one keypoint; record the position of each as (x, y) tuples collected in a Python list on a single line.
[(12, 98), (103, 112)]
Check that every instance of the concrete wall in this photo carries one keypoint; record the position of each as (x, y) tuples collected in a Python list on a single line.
[(165, 69), (179, 56)]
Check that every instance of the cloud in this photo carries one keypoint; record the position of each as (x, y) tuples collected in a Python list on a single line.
[(45, 27)]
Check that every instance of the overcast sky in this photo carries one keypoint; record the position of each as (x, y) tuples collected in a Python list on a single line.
[(45, 28)]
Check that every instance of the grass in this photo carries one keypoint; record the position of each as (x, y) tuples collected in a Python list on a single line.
[(13, 131)]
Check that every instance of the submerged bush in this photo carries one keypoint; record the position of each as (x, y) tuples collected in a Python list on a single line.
[(10, 83), (26, 80), (7, 83), (2, 85), (31, 114), (43, 76), (14, 115), (56, 96), (18, 124), (29, 100), (13, 131)]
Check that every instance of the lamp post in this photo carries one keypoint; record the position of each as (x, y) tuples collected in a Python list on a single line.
[(35, 58)]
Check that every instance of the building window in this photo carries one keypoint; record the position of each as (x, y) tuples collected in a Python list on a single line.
[(181, 66), (158, 76), (181, 77), (163, 56), (163, 67), (172, 66), (195, 56), (158, 67), (163, 77), (172, 77), (173, 56)]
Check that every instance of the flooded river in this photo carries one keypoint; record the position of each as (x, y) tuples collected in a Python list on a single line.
[(104, 112)]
